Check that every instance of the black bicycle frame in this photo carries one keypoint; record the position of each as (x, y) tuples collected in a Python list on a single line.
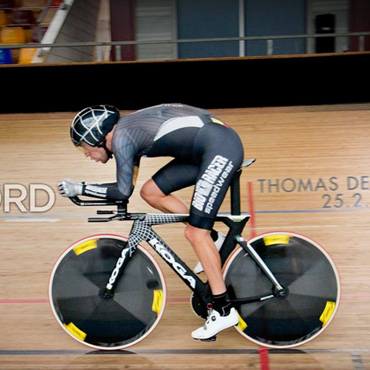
[(142, 231)]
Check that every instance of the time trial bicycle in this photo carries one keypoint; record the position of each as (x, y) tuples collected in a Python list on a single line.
[(108, 292)]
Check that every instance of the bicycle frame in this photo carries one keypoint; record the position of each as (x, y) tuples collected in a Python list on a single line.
[(142, 231)]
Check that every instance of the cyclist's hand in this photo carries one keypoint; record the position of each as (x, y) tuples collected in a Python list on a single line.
[(70, 188)]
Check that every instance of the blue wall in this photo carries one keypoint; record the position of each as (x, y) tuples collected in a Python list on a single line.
[(220, 18), (208, 19), (275, 17)]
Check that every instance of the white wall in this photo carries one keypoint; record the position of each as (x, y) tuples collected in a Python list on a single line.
[(79, 26)]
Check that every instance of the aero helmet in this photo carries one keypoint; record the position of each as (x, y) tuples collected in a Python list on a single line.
[(92, 125)]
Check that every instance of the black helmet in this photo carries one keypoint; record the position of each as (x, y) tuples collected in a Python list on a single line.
[(92, 124)]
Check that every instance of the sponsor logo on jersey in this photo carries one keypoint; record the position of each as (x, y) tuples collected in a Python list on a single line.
[(210, 184)]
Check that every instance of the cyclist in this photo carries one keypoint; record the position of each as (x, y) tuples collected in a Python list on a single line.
[(206, 153)]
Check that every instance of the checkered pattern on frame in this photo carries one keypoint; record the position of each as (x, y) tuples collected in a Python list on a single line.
[(141, 229)]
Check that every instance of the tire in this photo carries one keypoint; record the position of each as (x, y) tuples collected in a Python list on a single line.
[(301, 266), (81, 274)]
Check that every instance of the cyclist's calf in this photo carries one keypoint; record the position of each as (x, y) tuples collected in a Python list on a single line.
[(205, 249)]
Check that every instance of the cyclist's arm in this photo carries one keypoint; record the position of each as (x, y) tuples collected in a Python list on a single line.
[(127, 164), (106, 191)]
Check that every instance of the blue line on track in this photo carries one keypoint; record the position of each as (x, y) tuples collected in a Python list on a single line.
[(282, 211)]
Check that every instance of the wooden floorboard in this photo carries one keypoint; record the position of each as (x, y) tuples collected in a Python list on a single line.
[(312, 176)]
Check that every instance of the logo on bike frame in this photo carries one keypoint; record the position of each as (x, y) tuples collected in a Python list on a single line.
[(162, 250)]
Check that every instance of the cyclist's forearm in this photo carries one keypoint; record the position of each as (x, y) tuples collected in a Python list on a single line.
[(106, 191)]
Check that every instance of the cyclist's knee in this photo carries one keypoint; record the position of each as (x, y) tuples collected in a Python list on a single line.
[(144, 192), (195, 235), (151, 193)]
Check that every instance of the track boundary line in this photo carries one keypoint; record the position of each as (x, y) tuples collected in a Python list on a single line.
[(355, 352), (169, 300)]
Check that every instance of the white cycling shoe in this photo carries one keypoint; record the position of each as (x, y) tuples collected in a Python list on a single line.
[(218, 243), (216, 323)]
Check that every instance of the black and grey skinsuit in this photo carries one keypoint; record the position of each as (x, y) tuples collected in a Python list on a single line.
[(206, 154)]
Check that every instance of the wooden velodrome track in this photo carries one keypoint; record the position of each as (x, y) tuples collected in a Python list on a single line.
[(312, 176)]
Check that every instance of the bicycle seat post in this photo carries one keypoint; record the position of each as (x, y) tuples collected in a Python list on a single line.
[(235, 188), (235, 193)]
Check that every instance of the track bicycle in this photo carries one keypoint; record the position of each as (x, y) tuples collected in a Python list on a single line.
[(108, 292)]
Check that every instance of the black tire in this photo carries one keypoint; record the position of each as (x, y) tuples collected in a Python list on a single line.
[(81, 274), (301, 266)]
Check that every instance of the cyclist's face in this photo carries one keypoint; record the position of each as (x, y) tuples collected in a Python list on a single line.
[(95, 153)]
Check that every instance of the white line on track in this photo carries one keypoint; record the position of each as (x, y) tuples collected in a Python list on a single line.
[(31, 219)]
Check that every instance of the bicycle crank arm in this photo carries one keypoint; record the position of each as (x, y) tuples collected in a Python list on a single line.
[(241, 301)]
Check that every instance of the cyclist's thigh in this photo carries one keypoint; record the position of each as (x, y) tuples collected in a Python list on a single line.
[(176, 175), (221, 153)]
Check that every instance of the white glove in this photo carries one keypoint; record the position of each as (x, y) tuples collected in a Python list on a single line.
[(70, 188)]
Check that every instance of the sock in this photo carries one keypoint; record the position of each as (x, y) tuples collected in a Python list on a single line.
[(222, 304)]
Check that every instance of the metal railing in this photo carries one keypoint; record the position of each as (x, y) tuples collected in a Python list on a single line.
[(44, 48)]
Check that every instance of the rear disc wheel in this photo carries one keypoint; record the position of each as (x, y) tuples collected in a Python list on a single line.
[(312, 290)]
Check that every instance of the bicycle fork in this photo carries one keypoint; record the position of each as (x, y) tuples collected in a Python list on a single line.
[(108, 291)]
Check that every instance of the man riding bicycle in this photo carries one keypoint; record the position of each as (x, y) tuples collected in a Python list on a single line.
[(206, 153)]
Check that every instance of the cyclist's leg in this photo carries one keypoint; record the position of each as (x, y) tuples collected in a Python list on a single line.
[(158, 190), (221, 154), (154, 196), (205, 249), (223, 315)]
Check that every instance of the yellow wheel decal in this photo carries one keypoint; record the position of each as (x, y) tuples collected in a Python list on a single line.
[(85, 246), (157, 301), (276, 239), (327, 313), (75, 331)]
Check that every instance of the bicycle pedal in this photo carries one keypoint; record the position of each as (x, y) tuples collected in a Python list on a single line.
[(211, 339)]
